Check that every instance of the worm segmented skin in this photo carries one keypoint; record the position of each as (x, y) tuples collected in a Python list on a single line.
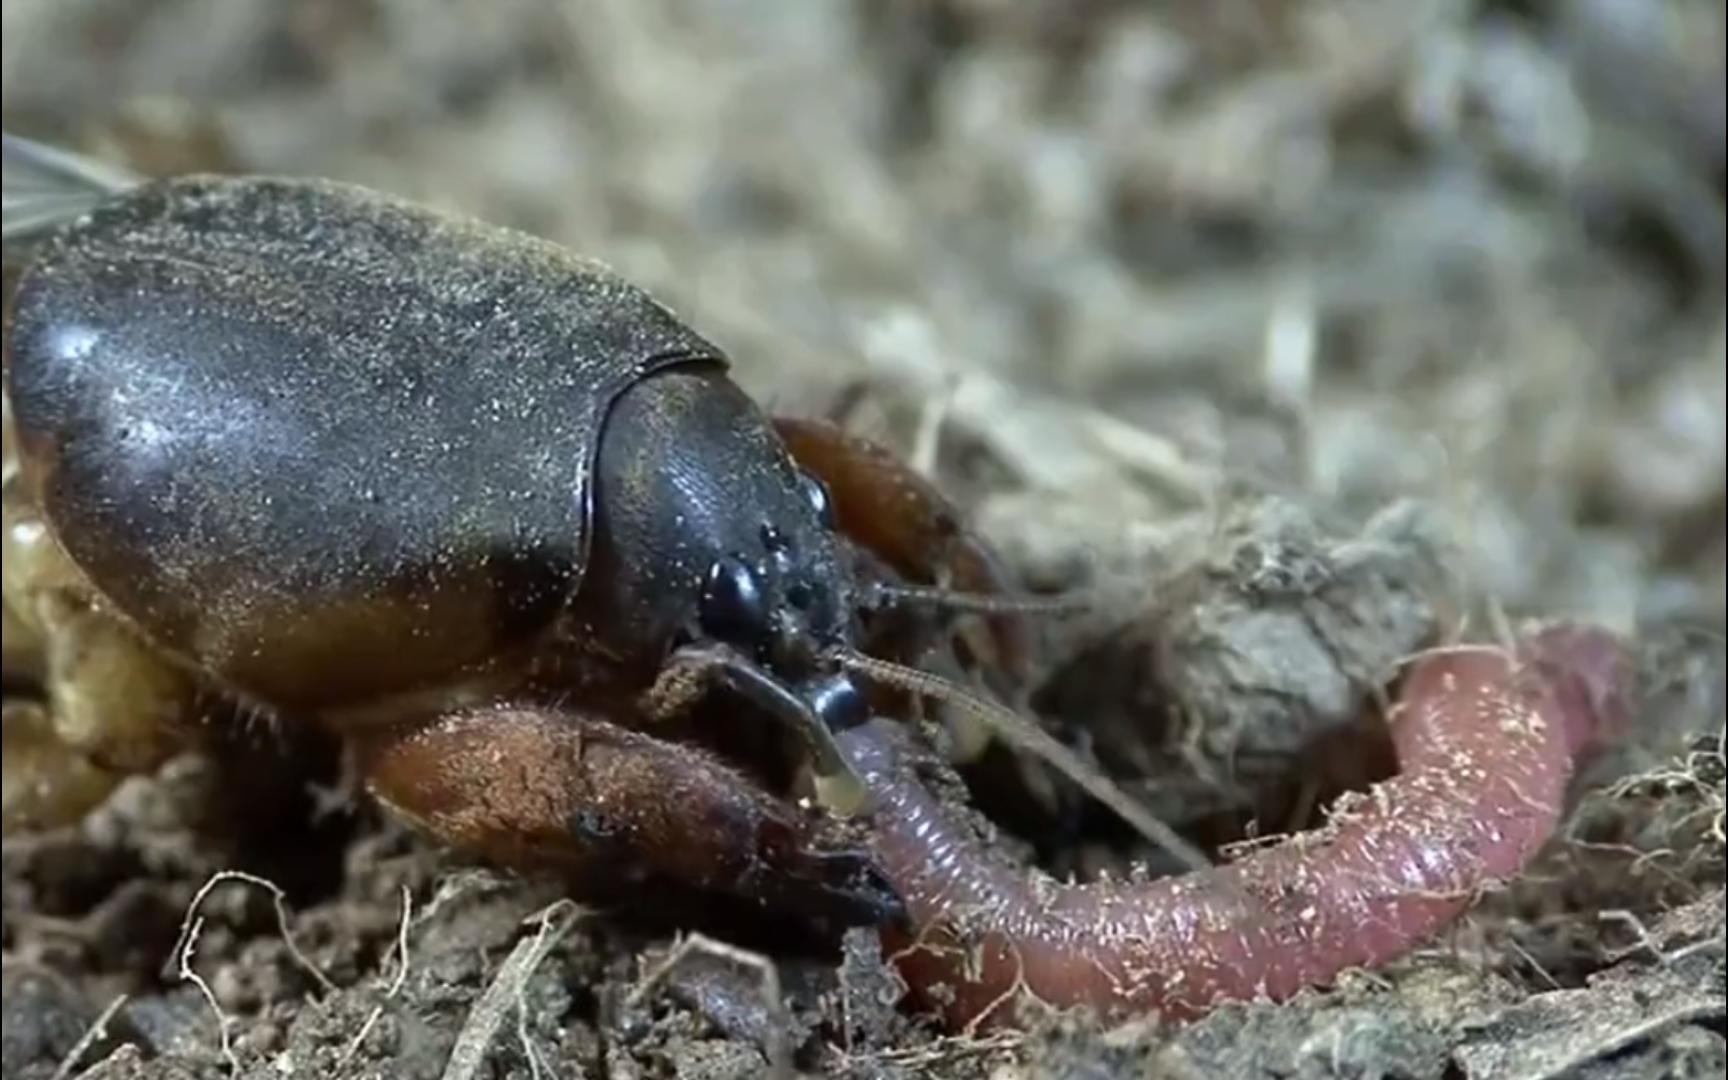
[(1487, 740)]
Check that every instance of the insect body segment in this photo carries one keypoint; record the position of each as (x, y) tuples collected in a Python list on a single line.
[(290, 425), (474, 503)]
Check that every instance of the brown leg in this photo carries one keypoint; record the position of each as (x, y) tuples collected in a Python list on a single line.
[(113, 705), (902, 518), (543, 788)]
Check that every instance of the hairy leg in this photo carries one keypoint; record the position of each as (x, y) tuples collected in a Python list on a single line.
[(538, 787)]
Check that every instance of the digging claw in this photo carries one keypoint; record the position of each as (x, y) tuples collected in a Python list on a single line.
[(846, 886)]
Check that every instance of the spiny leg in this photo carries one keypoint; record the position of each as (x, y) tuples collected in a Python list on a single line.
[(537, 787)]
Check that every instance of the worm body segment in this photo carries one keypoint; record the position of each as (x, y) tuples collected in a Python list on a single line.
[(1487, 741)]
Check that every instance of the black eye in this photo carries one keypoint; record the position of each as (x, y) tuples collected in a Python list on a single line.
[(733, 608), (839, 703), (800, 595), (816, 493)]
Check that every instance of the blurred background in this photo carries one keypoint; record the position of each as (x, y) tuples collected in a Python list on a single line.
[(1093, 262)]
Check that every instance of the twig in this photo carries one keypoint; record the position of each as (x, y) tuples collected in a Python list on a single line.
[(1589, 1051), (188, 974), (543, 942), (192, 924), (1646, 940), (506, 990), (1553, 983), (951, 1047), (402, 944), (396, 983), (927, 443), (780, 1023), (279, 899), (97, 1029)]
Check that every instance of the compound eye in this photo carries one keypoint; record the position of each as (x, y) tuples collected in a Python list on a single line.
[(733, 607), (839, 703), (816, 494)]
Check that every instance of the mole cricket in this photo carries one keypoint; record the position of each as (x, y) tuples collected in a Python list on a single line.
[(492, 514)]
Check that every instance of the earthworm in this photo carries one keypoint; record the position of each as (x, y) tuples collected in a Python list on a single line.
[(1487, 740)]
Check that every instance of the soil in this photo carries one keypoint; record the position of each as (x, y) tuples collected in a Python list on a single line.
[(1296, 337)]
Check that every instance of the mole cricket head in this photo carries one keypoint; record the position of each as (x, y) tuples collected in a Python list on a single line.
[(711, 547)]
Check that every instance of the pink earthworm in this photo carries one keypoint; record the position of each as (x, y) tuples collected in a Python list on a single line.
[(1487, 739)]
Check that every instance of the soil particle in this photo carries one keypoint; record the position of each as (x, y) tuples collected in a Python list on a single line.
[(1265, 649), (42, 1020), (1642, 1020)]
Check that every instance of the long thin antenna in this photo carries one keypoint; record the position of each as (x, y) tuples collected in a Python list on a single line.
[(888, 594), (1024, 735)]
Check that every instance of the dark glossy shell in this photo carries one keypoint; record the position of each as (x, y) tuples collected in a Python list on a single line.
[(288, 426)]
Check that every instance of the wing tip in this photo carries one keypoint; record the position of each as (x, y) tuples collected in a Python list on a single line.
[(46, 187)]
